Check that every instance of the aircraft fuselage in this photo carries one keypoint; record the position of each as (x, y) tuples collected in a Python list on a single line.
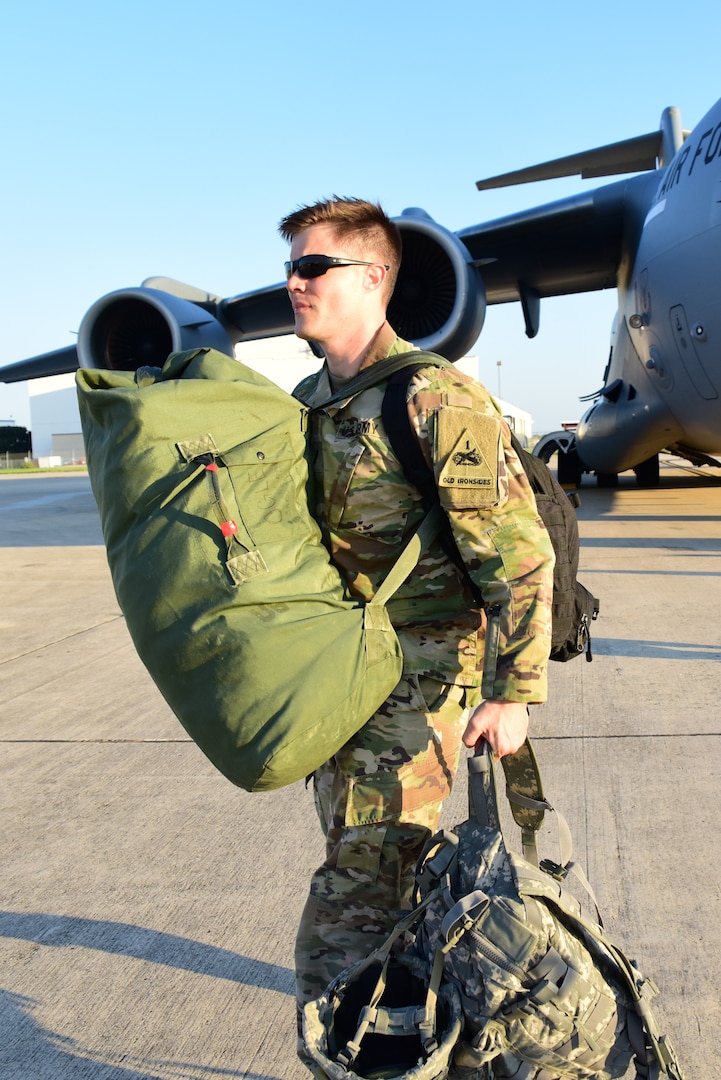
[(663, 381)]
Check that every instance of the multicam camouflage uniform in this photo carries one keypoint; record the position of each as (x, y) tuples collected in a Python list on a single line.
[(380, 796)]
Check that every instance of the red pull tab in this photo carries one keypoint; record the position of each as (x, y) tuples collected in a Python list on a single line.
[(212, 467), (228, 528)]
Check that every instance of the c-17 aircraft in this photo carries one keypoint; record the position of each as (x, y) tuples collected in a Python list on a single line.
[(654, 236)]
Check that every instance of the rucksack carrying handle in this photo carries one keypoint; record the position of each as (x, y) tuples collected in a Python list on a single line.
[(524, 791)]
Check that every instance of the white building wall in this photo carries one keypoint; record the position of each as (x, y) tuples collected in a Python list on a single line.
[(53, 411), (519, 421)]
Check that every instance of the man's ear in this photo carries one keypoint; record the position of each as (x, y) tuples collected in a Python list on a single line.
[(375, 276)]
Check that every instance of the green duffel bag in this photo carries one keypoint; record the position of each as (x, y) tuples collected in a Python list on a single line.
[(200, 475)]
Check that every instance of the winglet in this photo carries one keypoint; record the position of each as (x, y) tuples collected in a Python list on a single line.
[(640, 154)]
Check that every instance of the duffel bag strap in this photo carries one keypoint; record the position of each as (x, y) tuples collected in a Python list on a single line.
[(409, 556), (378, 372)]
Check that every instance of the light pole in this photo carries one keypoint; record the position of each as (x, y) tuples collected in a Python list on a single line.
[(499, 364)]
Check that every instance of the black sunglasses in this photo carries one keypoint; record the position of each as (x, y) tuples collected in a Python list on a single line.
[(310, 266)]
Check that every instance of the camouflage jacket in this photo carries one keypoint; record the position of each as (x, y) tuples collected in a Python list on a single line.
[(367, 509)]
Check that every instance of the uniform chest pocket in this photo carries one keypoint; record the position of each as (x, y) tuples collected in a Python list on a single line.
[(338, 492)]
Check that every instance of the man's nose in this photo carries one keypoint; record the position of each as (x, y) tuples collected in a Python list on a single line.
[(294, 282)]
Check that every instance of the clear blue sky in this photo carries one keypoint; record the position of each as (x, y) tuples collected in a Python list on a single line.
[(149, 137)]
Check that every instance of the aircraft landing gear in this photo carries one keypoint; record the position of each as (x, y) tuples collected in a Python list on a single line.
[(569, 470), (647, 475), (647, 472)]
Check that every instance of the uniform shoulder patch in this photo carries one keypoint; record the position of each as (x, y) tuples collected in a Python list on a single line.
[(467, 452)]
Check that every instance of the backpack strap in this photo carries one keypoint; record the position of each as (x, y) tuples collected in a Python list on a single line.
[(380, 371), (433, 523), (405, 446), (402, 438), (524, 791)]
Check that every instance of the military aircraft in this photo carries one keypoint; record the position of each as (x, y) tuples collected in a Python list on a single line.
[(654, 236)]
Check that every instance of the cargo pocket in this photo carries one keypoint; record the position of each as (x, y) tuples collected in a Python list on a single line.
[(373, 799), (360, 851)]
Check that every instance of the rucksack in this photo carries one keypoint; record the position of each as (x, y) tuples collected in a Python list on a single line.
[(545, 993), (200, 475), (574, 608)]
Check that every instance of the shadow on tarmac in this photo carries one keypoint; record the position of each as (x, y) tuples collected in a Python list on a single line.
[(657, 650), (154, 946), (56, 1052), (61, 1057)]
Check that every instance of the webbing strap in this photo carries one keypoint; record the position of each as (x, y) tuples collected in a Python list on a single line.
[(432, 524), (462, 916), (378, 372), (382, 1020), (524, 791), (482, 794), (409, 556), (523, 781)]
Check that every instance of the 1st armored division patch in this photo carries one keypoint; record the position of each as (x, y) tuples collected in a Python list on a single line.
[(467, 447)]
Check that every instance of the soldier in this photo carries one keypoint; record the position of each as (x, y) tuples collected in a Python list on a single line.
[(469, 674)]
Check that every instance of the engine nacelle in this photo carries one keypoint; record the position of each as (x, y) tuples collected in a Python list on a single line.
[(439, 302), (140, 327)]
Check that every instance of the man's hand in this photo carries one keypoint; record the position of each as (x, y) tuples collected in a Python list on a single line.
[(503, 724)]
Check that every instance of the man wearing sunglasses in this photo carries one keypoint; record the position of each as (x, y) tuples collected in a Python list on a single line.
[(379, 798)]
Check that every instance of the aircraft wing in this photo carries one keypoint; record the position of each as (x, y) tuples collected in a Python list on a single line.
[(574, 245), (570, 246), (161, 316), (36, 367)]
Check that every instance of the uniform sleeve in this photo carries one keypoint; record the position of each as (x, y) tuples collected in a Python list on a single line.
[(495, 523)]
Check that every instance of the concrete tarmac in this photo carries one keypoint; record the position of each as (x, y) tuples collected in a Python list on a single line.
[(149, 907)]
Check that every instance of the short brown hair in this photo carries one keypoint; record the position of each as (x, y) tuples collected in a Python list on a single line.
[(351, 218)]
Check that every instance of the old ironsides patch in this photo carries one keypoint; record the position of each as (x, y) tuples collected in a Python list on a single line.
[(467, 449)]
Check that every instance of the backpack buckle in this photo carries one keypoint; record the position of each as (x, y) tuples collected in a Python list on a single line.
[(554, 869)]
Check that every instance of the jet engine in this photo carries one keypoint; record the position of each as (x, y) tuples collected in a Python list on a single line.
[(439, 302), (132, 328)]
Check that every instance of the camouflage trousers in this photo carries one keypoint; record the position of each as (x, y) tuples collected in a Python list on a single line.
[(378, 801)]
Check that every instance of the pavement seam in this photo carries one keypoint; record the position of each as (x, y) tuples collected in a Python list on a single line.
[(58, 641)]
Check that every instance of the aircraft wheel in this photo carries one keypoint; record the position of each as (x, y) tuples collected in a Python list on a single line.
[(647, 472), (607, 479)]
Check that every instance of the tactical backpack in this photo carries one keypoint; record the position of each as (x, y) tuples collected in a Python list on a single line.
[(574, 608), (200, 475), (544, 992)]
